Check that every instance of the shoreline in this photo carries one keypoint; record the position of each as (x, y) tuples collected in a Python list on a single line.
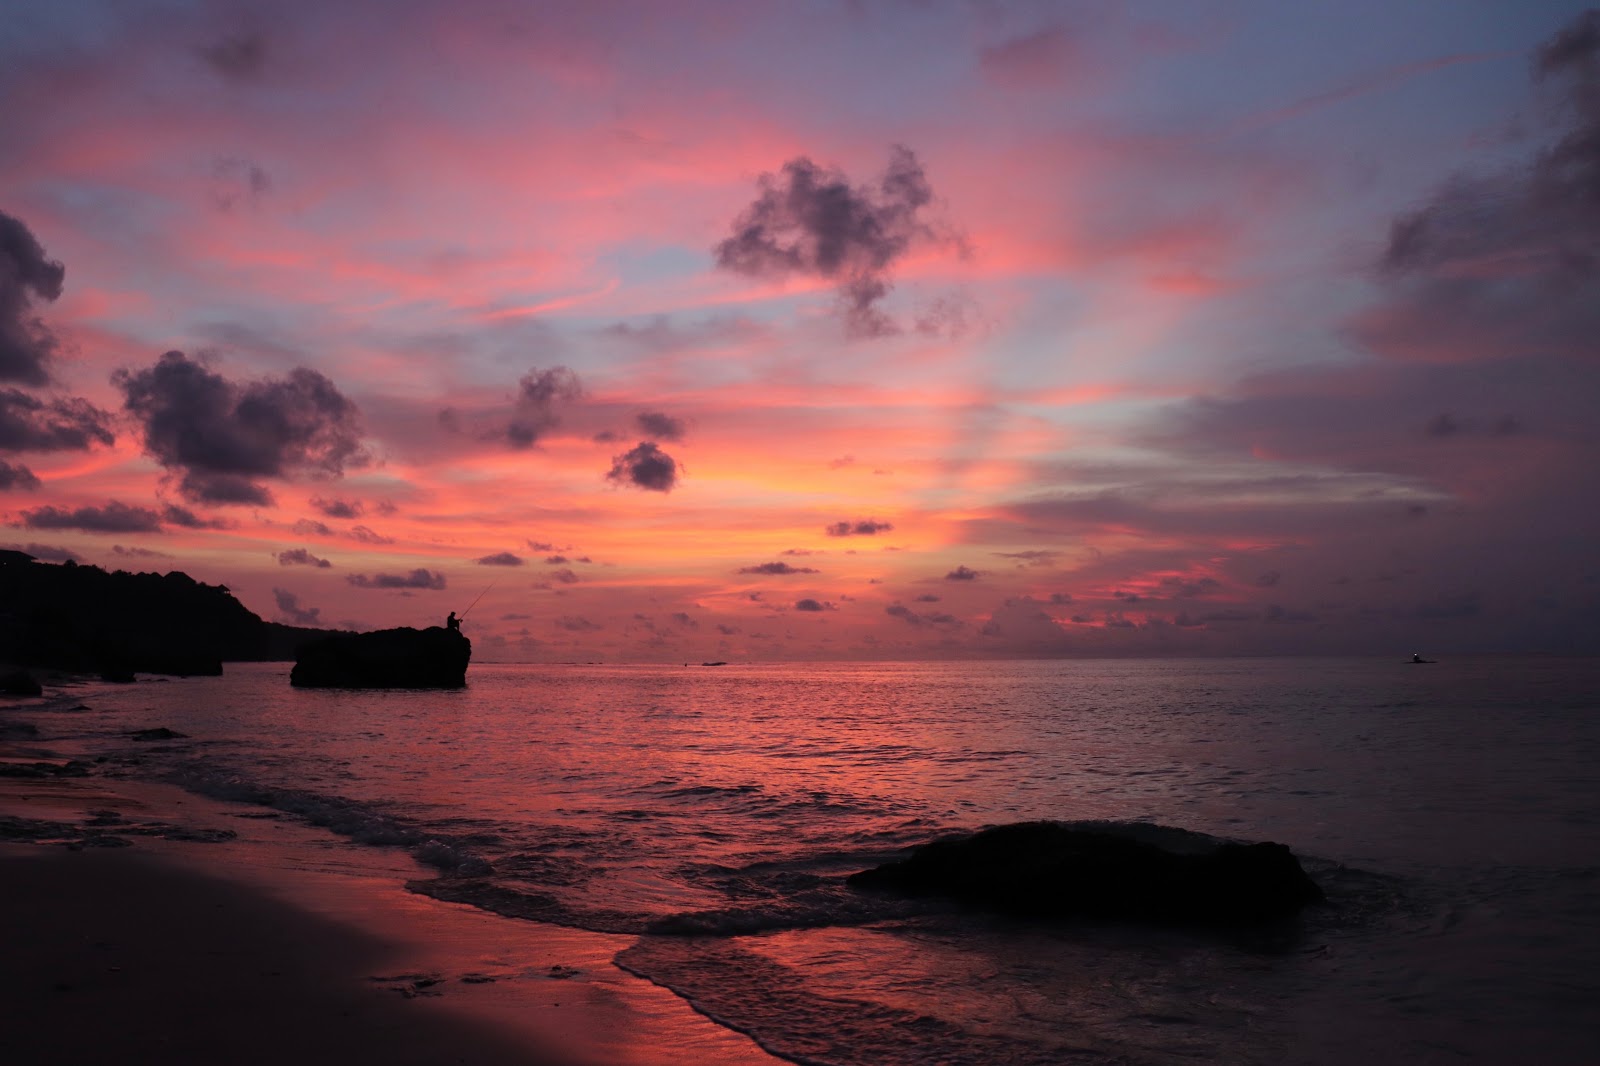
[(150, 924)]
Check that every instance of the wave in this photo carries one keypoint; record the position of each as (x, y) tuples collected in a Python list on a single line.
[(356, 821)]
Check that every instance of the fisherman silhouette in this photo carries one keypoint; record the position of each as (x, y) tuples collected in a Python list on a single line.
[(453, 623)]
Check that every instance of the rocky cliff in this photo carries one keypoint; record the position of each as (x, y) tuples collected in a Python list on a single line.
[(82, 618)]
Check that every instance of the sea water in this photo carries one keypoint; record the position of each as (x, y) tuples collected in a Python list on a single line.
[(1450, 810)]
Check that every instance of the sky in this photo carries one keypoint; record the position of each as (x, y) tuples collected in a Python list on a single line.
[(816, 330)]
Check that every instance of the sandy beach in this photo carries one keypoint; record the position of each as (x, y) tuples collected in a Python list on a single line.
[(145, 924)]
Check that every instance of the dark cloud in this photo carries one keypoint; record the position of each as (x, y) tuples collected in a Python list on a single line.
[(660, 426), (338, 508), (900, 610), (538, 393), (290, 611), (135, 552), (224, 437), (727, 630), (25, 276), (777, 568), (910, 617), (29, 424), (565, 577), (861, 527), (928, 597), (1507, 263), (811, 221), (576, 624), (16, 476), (1034, 557), (1182, 588), (365, 535), (683, 618), (645, 466), (556, 560), (1268, 579), (813, 605), (307, 526), (1033, 60), (235, 181), (542, 546), (181, 516), (1060, 598), (301, 557), (236, 56), (416, 579), (963, 573), (45, 552), (225, 489), (114, 517), (501, 559)]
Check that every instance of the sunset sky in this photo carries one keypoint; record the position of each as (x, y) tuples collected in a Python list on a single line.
[(816, 330)]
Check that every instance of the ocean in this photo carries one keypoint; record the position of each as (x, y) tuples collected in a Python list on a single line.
[(1451, 812)]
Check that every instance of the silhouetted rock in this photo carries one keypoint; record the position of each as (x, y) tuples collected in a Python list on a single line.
[(1053, 870), (159, 733), (19, 683), (388, 658), (81, 618)]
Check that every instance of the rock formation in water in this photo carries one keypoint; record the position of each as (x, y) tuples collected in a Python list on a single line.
[(388, 658), (19, 683), (1055, 870)]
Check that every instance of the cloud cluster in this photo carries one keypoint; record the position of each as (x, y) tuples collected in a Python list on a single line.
[(416, 579), (114, 517), (48, 553), (29, 424), (290, 611), (659, 426), (133, 551), (811, 221), (338, 508), (16, 476), (223, 438), (1507, 263), (861, 527), (301, 557), (775, 569), (538, 393), (236, 56), (644, 466), (501, 559), (25, 276), (910, 617)]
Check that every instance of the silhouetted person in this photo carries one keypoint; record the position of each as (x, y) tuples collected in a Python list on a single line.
[(453, 623)]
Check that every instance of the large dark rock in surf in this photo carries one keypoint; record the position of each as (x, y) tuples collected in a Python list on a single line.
[(388, 658), (1055, 870), (19, 683)]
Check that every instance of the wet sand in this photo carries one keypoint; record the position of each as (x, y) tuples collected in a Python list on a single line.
[(134, 935)]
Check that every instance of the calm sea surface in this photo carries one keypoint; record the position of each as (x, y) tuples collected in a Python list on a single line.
[(1451, 811)]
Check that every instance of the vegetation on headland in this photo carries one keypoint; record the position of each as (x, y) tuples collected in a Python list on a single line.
[(114, 623)]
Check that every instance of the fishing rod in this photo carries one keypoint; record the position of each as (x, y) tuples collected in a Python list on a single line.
[(474, 603)]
